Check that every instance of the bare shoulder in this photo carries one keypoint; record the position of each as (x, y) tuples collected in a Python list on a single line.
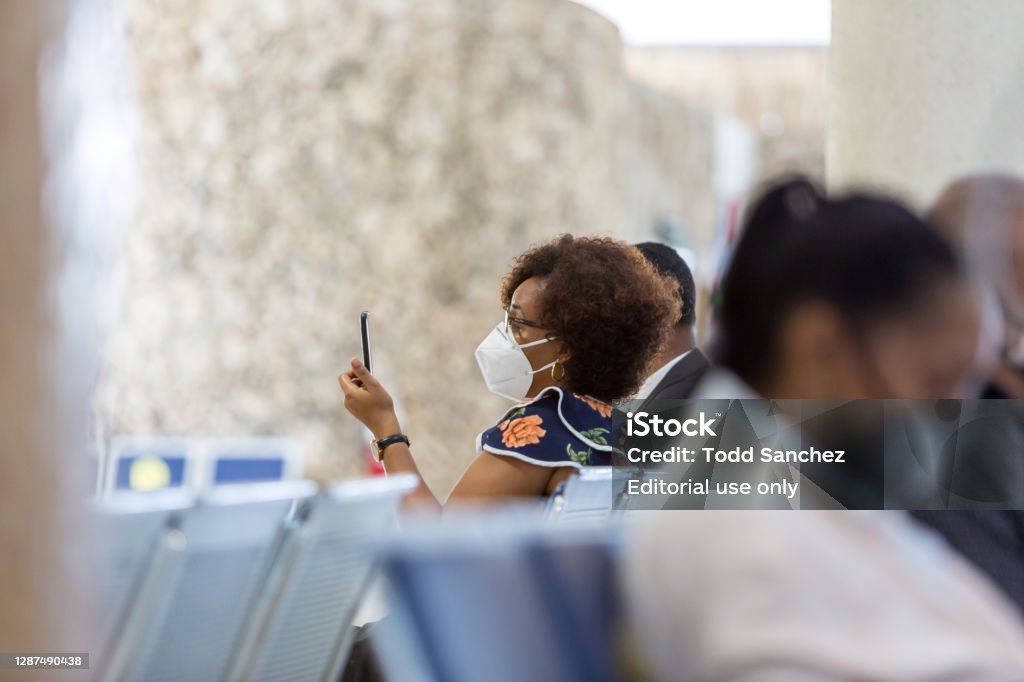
[(491, 476)]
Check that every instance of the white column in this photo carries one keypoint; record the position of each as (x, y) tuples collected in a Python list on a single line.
[(923, 91)]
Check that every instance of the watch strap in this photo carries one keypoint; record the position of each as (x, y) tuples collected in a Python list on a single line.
[(380, 444)]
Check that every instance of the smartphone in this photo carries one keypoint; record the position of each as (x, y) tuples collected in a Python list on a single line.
[(364, 334)]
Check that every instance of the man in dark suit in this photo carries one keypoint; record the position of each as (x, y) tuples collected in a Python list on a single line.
[(680, 364)]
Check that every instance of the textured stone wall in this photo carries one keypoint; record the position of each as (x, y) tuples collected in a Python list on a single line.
[(779, 92), (305, 161), (664, 167)]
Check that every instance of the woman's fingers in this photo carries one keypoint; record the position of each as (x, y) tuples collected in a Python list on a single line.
[(350, 384), (362, 390), (362, 374), (345, 381)]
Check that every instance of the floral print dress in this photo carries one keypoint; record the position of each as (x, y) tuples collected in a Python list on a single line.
[(555, 429)]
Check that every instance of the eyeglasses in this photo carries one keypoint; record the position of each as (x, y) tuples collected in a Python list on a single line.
[(512, 322)]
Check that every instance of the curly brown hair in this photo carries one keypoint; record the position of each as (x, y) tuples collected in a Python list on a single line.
[(608, 305)]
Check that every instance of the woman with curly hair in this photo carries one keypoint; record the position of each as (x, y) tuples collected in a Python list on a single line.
[(583, 318)]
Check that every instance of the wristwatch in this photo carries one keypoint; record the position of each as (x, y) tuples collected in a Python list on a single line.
[(380, 445)]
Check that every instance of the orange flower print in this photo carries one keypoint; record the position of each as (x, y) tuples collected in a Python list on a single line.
[(603, 409), (515, 433)]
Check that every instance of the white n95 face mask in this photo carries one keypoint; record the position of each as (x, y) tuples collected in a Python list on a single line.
[(506, 369)]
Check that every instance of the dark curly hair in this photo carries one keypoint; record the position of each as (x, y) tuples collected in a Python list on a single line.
[(608, 305)]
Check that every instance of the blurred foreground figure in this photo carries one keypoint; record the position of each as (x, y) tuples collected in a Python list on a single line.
[(823, 595), (983, 216), (825, 299), (44, 253), (844, 299)]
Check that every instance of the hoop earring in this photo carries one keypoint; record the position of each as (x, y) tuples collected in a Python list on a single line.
[(553, 367)]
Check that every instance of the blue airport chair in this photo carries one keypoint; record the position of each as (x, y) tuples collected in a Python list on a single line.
[(145, 464), (130, 526), (246, 460), (470, 607), (302, 628), (156, 463), (586, 497), (578, 580), (203, 581)]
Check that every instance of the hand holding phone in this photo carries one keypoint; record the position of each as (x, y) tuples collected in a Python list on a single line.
[(365, 398)]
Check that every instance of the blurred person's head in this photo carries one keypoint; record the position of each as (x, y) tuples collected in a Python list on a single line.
[(983, 217), (668, 263), (847, 298), (594, 310)]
